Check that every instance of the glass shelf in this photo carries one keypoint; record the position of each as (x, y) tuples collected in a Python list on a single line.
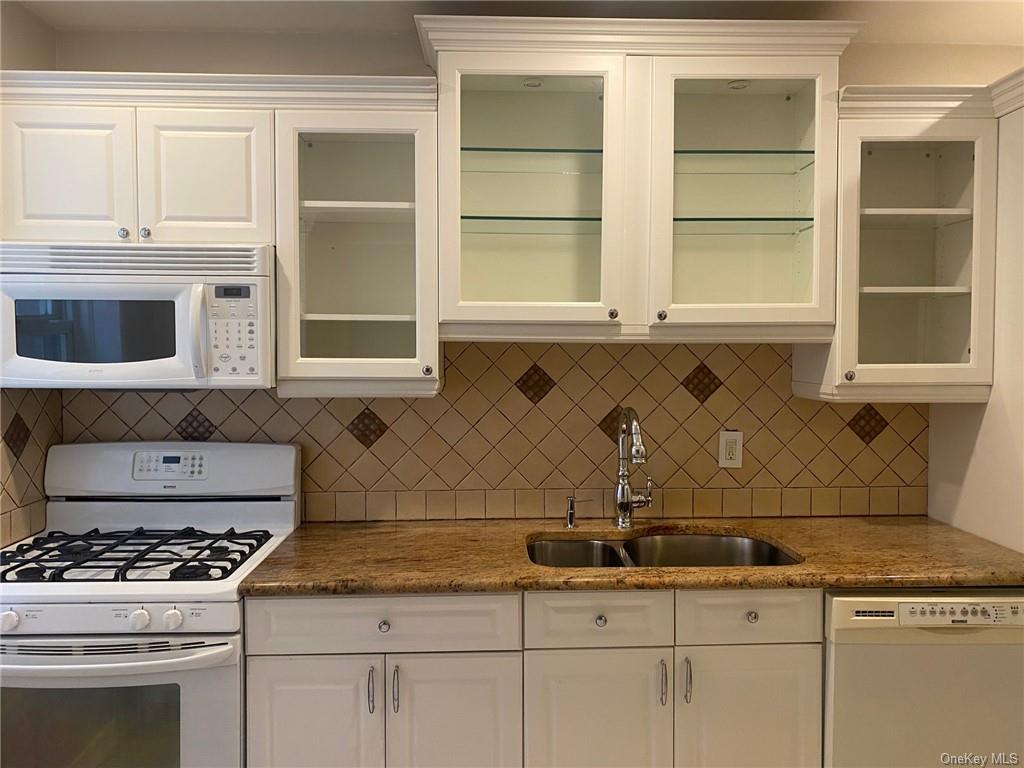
[(912, 218), (531, 160), (532, 225), (742, 162), (741, 225), (915, 290), (338, 211)]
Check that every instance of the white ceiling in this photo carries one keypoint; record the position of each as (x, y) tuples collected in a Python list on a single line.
[(985, 22)]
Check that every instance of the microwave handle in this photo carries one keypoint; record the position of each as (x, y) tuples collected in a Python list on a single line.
[(199, 332), (200, 659)]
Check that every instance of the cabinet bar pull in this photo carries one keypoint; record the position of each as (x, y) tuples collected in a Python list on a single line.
[(664, 683), (369, 691), (394, 689), (688, 694)]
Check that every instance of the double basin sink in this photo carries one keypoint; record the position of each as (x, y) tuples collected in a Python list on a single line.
[(679, 550)]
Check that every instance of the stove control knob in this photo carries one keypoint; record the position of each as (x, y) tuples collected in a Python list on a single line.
[(9, 620), (173, 619), (138, 620)]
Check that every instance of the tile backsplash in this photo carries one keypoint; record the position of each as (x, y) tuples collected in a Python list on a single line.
[(520, 426), (30, 422)]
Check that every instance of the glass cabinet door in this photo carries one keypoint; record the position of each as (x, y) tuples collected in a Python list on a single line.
[(916, 275), (744, 181), (356, 248), (531, 187)]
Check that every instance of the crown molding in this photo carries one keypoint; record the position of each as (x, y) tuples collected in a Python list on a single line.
[(914, 101), (268, 91), (1008, 93), (668, 37)]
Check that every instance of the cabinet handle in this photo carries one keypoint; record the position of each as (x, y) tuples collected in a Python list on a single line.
[(122, 232), (613, 314), (369, 691), (394, 689), (383, 626), (601, 621), (664, 683), (688, 692), (145, 232), (850, 375), (752, 617), (662, 314)]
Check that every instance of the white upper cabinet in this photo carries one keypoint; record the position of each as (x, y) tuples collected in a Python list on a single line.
[(119, 174), (615, 179), (916, 254), (206, 176), (357, 253), (68, 173), (743, 192), (531, 151)]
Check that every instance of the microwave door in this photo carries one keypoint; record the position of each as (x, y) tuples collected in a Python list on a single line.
[(113, 331)]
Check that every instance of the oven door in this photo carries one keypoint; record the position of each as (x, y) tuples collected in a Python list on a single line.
[(113, 702), (112, 331)]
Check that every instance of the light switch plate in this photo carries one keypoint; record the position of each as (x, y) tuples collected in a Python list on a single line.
[(730, 448)]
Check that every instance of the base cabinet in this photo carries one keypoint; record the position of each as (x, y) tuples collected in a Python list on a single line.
[(315, 711), (748, 705), (598, 707)]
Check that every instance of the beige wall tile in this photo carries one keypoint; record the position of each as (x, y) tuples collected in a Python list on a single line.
[(380, 505), (469, 504), (318, 507), (767, 502), (853, 501), (883, 501), (529, 503), (825, 502), (678, 502), (555, 501), (707, 502), (500, 503), (440, 505), (737, 502), (589, 502), (796, 502), (350, 506), (411, 505), (913, 501)]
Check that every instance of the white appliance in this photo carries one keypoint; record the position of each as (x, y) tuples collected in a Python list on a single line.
[(132, 317), (120, 625), (925, 679)]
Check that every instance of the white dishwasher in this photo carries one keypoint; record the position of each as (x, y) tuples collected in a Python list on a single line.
[(924, 679)]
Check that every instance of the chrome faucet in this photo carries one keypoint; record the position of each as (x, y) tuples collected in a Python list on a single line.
[(625, 500)]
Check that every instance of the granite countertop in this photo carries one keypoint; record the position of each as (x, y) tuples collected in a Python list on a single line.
[(490, 556)]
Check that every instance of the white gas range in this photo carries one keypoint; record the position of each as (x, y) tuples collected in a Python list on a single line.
[(121, 623)]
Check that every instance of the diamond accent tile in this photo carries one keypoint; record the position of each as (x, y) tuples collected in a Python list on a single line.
[(867, 423), (701, 382), (535, 384), (610, 423), (367, 427), (16, 435), (195, 426)]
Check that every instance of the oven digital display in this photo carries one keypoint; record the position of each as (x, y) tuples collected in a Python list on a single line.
[(172, 459)]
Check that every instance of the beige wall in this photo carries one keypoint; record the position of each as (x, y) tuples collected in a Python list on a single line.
[(26, 41)]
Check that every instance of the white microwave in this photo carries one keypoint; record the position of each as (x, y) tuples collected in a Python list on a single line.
[(153, 317)]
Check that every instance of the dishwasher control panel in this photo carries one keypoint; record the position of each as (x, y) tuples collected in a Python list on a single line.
[(930, 614)]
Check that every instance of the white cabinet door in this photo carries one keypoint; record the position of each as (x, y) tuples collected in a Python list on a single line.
[(599, 707), (206, 176), (68, 173), (455, 709), (531, 187), (743, 192), (748, 705), (315, 711)]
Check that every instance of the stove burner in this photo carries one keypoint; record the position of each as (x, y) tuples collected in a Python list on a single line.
[(187, 554), (31, 573), (191, 572)]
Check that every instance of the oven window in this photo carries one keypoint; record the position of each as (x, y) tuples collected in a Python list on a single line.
[(94, 331), (127, 727)]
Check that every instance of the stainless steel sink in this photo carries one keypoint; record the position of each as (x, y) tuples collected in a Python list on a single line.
[(690, 550), (568, 553), (676, 550)]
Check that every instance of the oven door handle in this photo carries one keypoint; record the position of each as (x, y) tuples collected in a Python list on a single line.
[(202, 659), (198, 323)]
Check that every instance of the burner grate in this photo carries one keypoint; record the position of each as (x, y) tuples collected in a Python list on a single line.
[(186, 554)]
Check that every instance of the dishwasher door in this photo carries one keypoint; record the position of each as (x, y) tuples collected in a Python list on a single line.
[(905, 690)]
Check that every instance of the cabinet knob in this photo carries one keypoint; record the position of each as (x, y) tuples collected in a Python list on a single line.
[(662, 314), (427, 370), (752, 617), (145, 232), (613, 313), (384, 626), (601, 621), (122, 232), (850, 375)]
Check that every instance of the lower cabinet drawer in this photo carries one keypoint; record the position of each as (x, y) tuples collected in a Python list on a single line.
[(382, 624), (597, 619), (727, 617)]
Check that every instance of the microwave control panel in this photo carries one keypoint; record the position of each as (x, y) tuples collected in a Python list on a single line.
[(234, 331)]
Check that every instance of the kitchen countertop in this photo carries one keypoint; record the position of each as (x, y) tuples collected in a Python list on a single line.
[(490, 556)]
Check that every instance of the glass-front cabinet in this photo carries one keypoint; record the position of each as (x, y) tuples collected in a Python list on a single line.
[(357, 252), (531, 187), (916, 221), (743, 192)]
